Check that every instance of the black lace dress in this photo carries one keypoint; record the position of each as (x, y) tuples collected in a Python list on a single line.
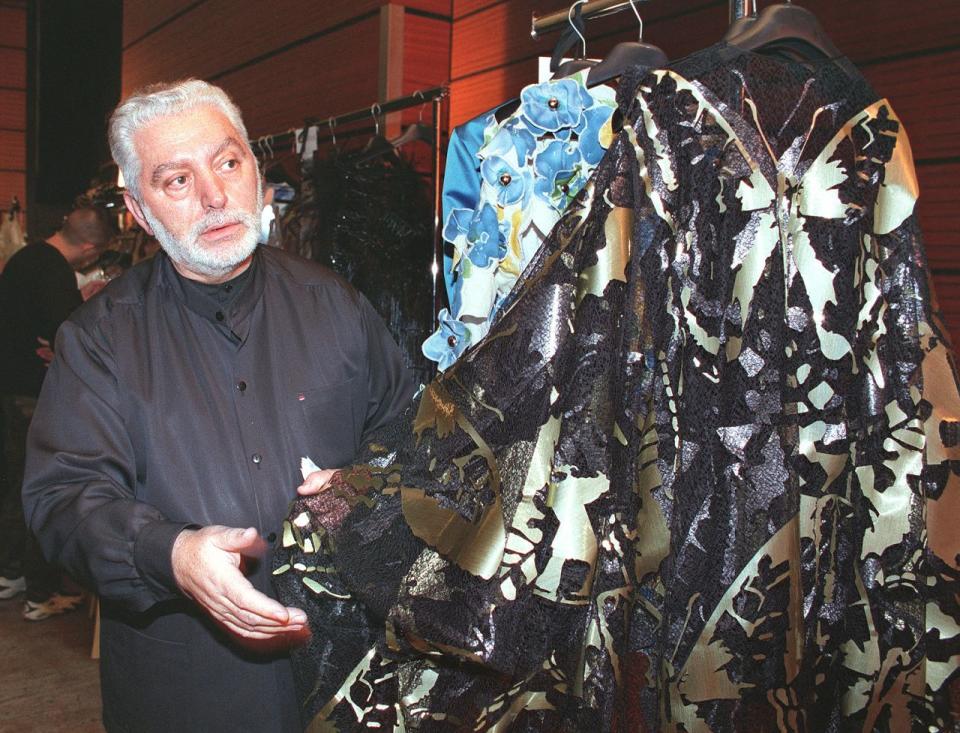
[(701, 474)]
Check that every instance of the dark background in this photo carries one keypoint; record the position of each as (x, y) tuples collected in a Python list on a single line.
[(73, 70)]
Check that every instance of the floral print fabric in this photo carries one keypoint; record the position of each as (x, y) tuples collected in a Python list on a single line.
[(531, 165)]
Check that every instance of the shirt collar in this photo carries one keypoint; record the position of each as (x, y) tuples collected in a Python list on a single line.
[(229, 312)]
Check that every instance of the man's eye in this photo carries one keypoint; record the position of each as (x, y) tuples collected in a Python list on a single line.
[(231, 163), (178, 181)]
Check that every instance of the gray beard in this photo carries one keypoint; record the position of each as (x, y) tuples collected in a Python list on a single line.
[(190, 252)]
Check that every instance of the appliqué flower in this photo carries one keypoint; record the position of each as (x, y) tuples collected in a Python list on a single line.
[(507, 183), (559, 173), (591, 137), (552, 106), (458, 224), (485, 240), (512, 141), (446, 344)]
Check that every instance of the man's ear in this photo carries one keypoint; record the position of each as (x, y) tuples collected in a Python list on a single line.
[(133, 206)]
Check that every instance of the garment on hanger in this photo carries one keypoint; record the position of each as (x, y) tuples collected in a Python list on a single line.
[(371, 221), (505, 197), (702, 472)]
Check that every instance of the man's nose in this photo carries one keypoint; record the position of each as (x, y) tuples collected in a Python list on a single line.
[(213, 194)]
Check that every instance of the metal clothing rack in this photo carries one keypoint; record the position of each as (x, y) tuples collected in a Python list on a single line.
[(543, 24), (281, 140), (433, 96)]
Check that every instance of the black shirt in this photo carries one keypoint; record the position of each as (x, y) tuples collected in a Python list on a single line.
[(165, 407), (38, 290)]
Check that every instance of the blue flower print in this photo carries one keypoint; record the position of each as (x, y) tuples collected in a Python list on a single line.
[(510, 184), (446, 343), (557, 165), (458, 224), (552, 106), (486, 241), (587, 100), (510, 138), (595, 118)]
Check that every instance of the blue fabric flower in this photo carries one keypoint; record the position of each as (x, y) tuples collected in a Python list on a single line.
[(458, 223), (552, 106), (446, 343), (588, 102), (510, 184), (486, 240), (595, 118), (511, 138), (556, 166)]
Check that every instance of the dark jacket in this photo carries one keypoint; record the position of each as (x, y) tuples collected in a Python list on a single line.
[(163, 409), (38, 290)]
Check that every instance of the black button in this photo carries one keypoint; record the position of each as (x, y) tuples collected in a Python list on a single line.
[(256, 458), (228, 287), (242, 386), (272, 537), (219, 315)]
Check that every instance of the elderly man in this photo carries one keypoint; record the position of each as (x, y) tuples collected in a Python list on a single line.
[(167, 439)]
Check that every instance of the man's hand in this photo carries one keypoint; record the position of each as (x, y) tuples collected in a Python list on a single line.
[(92, 288), (317, 481), (44, 350), (206, 565)]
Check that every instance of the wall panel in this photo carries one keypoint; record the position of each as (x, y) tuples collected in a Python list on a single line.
[(287, 59), (13, 110), (13, 150), (220, 35), (13, 103), (938, 214), (13, 27), (12, 183), (13, 68), (926, 97), (142, 17), (334, 74), (426, 53)]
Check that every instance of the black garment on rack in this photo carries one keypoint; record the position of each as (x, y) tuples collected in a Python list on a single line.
[(371, 221)]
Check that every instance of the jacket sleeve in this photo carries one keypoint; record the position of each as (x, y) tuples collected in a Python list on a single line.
[(390, 385), (78, 490), (60, 298)]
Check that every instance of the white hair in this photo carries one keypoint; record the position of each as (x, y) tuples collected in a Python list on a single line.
[(160, 100)]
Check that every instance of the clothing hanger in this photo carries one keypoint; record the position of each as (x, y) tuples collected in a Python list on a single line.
[(625, 55), (740, 25), (418, 131), (377, 146), (568, 40), (788, 30), (332, 124)]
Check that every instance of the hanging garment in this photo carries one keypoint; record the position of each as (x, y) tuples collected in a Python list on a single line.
[(530, 166), (702, 473), (371, 221)]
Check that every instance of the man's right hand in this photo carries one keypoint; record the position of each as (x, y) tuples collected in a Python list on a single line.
[(206, 565), (317, 481)]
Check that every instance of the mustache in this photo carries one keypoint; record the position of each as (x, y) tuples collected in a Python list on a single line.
[(214, 219)]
